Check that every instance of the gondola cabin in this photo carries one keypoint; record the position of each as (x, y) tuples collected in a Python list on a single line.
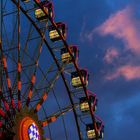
[(91, 131), (84, 106), (48, 7), (65, 55), (54, 35), (75, 79)]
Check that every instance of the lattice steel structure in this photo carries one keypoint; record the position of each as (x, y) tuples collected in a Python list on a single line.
[(43, 91)]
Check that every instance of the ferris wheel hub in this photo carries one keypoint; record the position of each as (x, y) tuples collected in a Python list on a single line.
[(27, 126)]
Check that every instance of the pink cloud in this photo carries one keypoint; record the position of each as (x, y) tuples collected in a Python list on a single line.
[(121, 25), (110, 55), (129, 72)]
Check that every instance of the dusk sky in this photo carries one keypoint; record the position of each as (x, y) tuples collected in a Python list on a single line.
[(108, 35)]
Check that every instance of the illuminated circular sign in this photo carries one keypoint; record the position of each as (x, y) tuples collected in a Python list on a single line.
[(28, 130), (33, 132)]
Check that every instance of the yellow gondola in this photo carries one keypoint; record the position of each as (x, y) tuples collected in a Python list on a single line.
[(48, 7), (84, 106), (54, 35), (75, 79), (91, 131), (65, 55)]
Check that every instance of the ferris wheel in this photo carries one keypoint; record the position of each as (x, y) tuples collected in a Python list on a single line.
[(44, 92)]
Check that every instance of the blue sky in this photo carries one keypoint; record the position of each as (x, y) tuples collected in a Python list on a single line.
[(106, 32)]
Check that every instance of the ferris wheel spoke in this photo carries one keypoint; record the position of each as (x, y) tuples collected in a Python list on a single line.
[(2, 113), (42, 100), (6, 105), (31, 89), (58, 114), (4, 61), (19, 61)]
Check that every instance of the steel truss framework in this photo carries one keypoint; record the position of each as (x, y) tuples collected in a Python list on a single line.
[(34, 80)]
